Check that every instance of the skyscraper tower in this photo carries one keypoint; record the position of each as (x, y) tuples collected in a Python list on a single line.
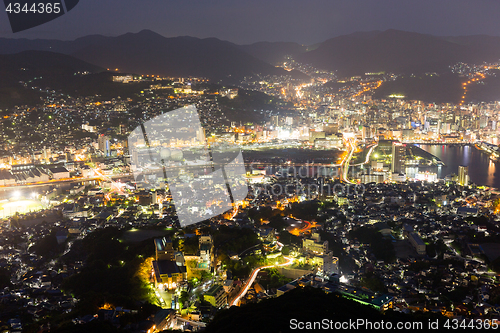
[(463, 175), (103, 144), (398, 157)]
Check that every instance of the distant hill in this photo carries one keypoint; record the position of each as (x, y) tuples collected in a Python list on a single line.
[(147, 52), (11, 46), (444, 88), (27, 65), (397, 51), (250, 106), (486, 48), (273, 53), (488, 90)]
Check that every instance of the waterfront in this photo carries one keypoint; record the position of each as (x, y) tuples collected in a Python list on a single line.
[(482, 171)]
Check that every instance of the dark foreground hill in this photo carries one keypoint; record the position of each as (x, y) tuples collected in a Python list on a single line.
[(303, 305)]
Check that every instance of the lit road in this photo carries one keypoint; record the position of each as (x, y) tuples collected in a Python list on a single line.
[(251, 280), (306, 227), (367, 87), (372, 147), (345, 162), (476, 77)]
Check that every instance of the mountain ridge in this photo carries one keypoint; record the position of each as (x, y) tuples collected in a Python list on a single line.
[(147, 52), (391, 51)]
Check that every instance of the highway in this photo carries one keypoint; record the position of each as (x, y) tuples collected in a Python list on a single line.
[(306, 227), (370, 151), (345, 162), (251, 280)]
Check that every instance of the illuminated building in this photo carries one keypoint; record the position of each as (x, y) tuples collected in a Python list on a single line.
[(417, 243), (216, 296), (7, 178), (463, 175), (313, 135), (327, 263), (206, 248), (103, 144), (229, 93), (315, 245), (164, 319), (398, 158), (58, 172), (426, 176), (275, 121), (169, 269)]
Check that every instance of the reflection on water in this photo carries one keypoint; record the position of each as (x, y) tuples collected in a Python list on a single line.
[(482, 171)]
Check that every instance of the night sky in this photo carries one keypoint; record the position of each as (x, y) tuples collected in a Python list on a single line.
[(248, 21)]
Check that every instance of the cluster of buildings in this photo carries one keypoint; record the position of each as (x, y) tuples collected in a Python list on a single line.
[(380, 302), (30, 173), (426, 221)]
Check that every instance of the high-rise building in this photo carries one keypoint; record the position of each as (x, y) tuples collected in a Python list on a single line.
[(398, 157), (103, 144), (200, 135), (327, 263), (46, 154), (275, 121), (366, 132), (154, 198), (463, 175)]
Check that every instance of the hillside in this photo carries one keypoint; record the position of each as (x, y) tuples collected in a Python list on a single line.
[(28, 65), (149, 53), (389, 51), (273, 53), (444, 88)]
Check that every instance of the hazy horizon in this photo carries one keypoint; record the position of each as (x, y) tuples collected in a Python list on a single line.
[(244, 22)]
